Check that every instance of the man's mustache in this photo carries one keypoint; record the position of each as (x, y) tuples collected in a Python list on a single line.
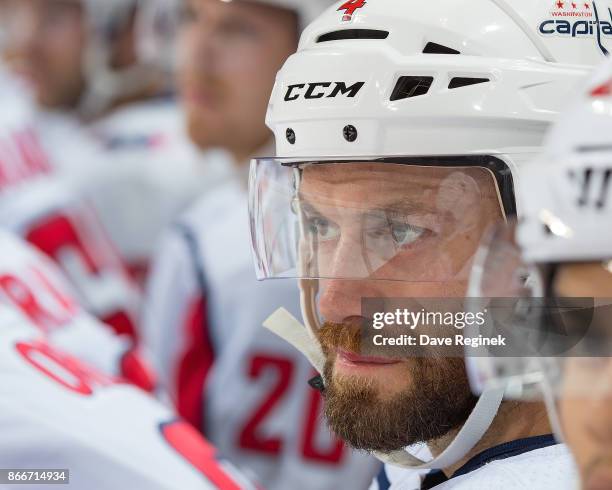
[(356, 334), (347, 335)]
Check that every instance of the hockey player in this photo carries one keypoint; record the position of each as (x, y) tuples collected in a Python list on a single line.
[(47, 209), (107, 64), (31, 283), (57, 413), (243, 388), (400, 131), (564, 242)]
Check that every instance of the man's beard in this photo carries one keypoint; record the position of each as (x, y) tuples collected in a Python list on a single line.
[(437, 401)]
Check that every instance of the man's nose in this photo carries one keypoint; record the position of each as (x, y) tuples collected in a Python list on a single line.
[(341, 294), (207, 51), (339, 299)]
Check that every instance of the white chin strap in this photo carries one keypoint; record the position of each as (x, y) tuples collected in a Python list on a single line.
[(283, 324)]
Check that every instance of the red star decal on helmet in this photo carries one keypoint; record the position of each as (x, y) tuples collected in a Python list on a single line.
[(560, 4), (603, 90), (350, 7)]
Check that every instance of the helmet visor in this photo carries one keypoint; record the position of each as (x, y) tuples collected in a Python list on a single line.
[(376, 220)]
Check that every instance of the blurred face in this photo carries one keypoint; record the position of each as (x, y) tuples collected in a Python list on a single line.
[(586, 418), (44, 45), (230, 54), (392, 231)]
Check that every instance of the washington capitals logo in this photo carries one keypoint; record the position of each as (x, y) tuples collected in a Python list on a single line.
[(579, 20), (350, 7)]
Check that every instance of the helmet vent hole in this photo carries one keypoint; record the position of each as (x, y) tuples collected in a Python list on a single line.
[(459, 82), (408, 87), (346, 34), (434, 48)]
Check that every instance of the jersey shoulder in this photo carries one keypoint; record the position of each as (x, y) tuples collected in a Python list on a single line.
[(121, 444), (152, 127), (540, 469), (220, 203)]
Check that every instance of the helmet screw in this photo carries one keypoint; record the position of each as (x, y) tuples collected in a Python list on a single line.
[(290, 133), (350, 133)]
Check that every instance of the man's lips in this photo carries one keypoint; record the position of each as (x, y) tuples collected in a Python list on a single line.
[(349, 357)]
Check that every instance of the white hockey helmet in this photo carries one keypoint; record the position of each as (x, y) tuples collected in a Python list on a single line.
[(446, 99), (566, 200), (565, 193)]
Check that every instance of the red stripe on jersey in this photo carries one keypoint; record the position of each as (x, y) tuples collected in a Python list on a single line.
[(190, 444), (55, 233), (136, 371), (122, 324), (194, 366)]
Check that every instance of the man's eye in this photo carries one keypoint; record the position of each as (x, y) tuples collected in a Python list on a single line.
[(405, 233), (323, 229)]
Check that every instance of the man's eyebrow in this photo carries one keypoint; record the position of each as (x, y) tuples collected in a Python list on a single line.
[(402, 206), (405, 206)]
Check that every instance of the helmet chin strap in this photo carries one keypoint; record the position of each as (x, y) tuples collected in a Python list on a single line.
[(283, 324), (551, 407), (472, 431)]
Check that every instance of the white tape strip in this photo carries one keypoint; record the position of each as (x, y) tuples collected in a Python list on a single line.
[(286, 326)]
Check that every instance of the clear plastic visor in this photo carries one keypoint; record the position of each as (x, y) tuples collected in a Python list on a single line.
[(370, 219), (559, 316)]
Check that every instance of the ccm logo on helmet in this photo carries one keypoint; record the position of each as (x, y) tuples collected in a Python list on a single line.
[(318, 90)]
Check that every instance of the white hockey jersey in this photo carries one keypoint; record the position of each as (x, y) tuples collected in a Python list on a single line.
[(150, 172), (32, 284), (44, 207), (245, 388), (58, 413), (536, 463)]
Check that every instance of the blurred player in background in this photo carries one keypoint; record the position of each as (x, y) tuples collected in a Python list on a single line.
[(57, 412), (239, 385), (31, 283), (106, 64), (46, 208), (564, 242), (108, 433)]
